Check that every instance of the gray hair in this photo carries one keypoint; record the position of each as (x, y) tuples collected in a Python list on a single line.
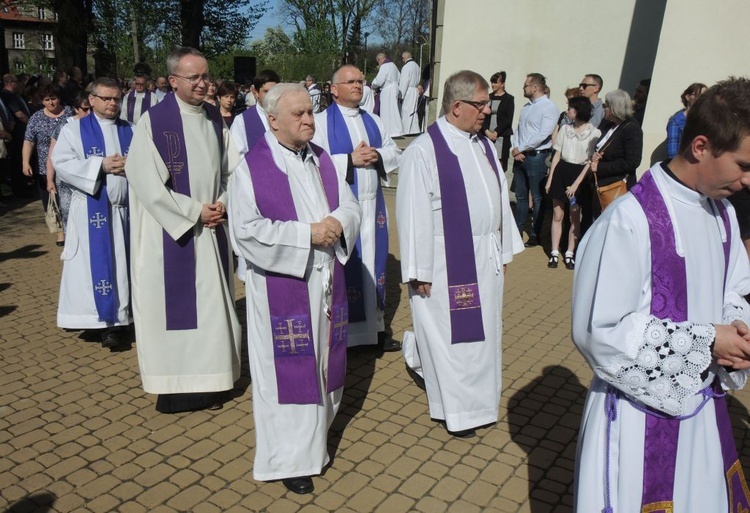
[(271, 101), (406, 55), (462, 86), (173, 61), (620, 104)]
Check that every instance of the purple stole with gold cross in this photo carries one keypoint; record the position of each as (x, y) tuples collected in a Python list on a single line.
[(180, 286), (669, 301), (463, 287), (288, 298), (101, 245)]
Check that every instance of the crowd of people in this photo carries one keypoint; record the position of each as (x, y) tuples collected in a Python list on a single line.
[(166, 184)]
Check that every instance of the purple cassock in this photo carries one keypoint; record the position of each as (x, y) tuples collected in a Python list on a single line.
[(669, 301), (288, 298)]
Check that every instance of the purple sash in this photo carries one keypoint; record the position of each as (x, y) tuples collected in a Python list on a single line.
[(340, 142), (463, 287), (254, 127), (288, 300), (145, 104), (669, 301), (179, 255), (101, 246)]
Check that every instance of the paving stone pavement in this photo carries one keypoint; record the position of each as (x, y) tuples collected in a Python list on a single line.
[(77, 433)]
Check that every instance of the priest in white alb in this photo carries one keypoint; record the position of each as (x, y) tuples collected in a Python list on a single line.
[(90, 155), (364, 155), (456, 236), (659, 315), (187, 332), (295, 221), (138, 101), (408, 90), (387, 102)]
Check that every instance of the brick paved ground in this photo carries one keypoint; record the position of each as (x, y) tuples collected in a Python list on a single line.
[(77, 433)]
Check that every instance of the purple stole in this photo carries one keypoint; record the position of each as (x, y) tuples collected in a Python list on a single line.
[(288, 299), (179, 255), (254, 127), (101, 245), (463, 287), (340, 142), (669, 301), (145, 104)]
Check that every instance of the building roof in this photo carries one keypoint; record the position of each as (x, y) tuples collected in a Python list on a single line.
[(9, 11)]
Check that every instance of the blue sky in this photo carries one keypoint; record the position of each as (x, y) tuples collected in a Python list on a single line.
[(271, 18)]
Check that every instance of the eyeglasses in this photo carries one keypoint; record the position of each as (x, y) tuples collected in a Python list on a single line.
[(352, 82), (527, 85), (584, 86), (106, 99), (480, 105), (194, 80), (84, 109), (140, 83)]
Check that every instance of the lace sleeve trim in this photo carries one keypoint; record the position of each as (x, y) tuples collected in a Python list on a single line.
[(664, 365), (735, 307)]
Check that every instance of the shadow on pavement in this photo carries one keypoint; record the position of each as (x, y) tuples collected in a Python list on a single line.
[(39, 502), (544, 417), (242, 384), (23, 252)]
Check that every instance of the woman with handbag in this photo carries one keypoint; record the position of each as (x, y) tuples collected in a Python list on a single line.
[(573, 147), (618, 153), (38, 134)]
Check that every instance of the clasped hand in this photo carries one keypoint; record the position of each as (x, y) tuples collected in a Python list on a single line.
[(212, 215), (364, 155), (114, 164), (732, 345), (326, 232)]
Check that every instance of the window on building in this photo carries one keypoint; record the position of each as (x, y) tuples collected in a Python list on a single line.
[(42, 13), (18, 40), (48, 43)]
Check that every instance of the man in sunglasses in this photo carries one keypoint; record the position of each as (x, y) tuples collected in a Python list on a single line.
[(364, 154), (590, 87)]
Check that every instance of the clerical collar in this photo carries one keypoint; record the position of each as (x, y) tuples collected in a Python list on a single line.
[(670, 173), (302, 154), (188, 107), (349, 111)]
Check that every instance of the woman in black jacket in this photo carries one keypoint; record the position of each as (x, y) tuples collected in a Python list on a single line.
[(620, 149), (497, 126)]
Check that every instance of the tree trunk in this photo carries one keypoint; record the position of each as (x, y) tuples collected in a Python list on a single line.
[(134, 32), (71, 33), (191, 17)]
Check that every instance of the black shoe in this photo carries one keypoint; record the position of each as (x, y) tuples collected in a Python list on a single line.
[(387, 344), (300, 485), (569, 263), (532, 242), (418, 380), (111, 339), (552, 264), (465, 433)]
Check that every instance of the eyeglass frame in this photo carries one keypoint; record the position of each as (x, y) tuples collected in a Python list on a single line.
[(585, 86), (105, 99), (195, 79), (477, 104)]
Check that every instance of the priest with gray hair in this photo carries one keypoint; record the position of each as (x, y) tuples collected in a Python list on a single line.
[(457, 234), (295, 221)]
